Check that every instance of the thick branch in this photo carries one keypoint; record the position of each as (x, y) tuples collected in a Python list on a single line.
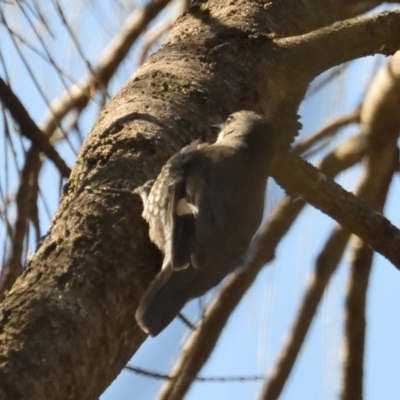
[(301, 179), (343, 42)]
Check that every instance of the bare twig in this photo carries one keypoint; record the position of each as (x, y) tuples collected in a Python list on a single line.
[(331, 75), (155, 33), (152, 37), (328, 130), (78, 95), (186, 322), (156, 375), (29, 129), (25, 195), (326, 264)]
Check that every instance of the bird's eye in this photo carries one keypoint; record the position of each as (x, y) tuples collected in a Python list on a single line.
[(230, 119)]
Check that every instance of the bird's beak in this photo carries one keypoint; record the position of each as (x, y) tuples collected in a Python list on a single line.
[(216, 127)]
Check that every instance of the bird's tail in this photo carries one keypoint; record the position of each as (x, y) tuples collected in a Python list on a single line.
[(161, 303)]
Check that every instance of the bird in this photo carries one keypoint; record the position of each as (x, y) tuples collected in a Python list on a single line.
[(203, 211)]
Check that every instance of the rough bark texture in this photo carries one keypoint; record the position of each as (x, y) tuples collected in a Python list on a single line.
[(67, 326)]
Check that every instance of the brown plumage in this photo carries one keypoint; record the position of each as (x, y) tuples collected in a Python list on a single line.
[(203, 211)]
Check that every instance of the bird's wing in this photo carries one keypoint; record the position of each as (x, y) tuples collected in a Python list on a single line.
[(183, 209), (183, 236)]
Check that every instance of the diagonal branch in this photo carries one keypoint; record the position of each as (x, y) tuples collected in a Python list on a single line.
[(301, 179), (78, 95), (29, 128), (326, 264), (328, 130), (375, 185), (342, 42)]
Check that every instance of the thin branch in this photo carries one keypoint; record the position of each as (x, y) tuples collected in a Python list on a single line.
[(375, 185), (355, 323), (31, 73), (328, 130), (331, 75), (186, 322), (381, 122), (26, 193), (156, 375), (153, 35), (29, 129), (47, 56), (78, 95), (72, 34), (343, 42), (326, 264)]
